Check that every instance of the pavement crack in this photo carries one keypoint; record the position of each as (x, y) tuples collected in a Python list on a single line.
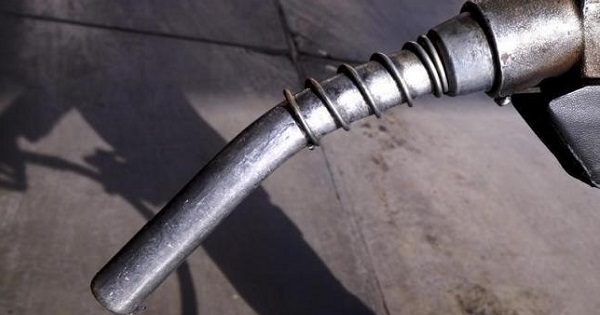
[(45, 18), (294, 56), (293, 52), (360, 233), (330, 58)]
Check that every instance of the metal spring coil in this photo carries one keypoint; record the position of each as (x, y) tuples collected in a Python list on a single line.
[(423, 48)]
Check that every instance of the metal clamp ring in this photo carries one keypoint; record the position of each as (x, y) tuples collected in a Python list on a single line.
[(428, 63), (439, 65), (353, 75), (389, 66), (291, 100), (316, 87)]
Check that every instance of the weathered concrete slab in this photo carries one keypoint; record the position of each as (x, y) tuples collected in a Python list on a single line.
[(451, 207), (465, 211), (355, 29), (244, 22), (99, 128)]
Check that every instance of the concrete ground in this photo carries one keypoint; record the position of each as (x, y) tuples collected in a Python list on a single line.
[(108, 108)]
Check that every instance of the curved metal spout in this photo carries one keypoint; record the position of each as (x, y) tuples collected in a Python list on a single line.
[(164, 243), (179, 228)]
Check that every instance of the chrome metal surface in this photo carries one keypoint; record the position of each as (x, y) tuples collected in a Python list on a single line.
[(503, 101), (591, 31), (464, 49), (293, 104), (316, 87), (388, 64), (164, 243), (358, 81), (438, 89), (531, 40), (435, 57)]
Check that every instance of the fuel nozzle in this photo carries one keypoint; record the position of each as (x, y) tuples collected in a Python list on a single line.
[(499, 47)]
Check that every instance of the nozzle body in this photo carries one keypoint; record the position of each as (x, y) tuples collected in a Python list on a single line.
[(488, 47)]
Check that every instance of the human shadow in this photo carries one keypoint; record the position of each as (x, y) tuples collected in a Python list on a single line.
[(158, 143)]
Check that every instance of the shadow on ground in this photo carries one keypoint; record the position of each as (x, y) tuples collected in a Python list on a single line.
[(158, 142)]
